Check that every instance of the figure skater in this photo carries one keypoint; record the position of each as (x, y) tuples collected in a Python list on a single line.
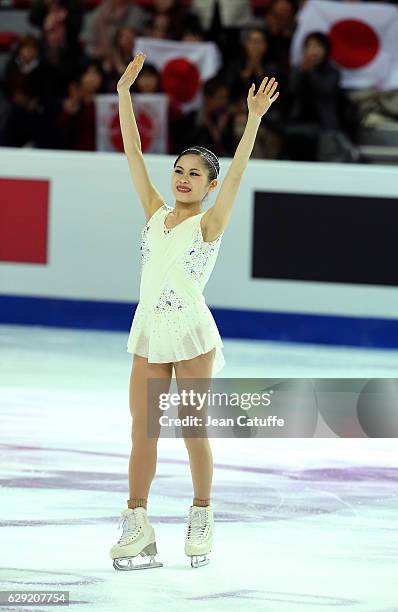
[(172, 327)]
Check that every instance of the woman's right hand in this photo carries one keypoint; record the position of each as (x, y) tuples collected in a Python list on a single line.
[(130, 74)]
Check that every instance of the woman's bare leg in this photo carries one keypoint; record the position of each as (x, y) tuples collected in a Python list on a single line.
[(143, 457), (199, 451)]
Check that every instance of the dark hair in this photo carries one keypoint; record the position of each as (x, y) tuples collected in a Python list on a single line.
[(86, 63), (209, 159), (150, 69), (83, 65), (321, 38), (245, 34), (293, 3), (211, 86), (28, 40), (118, 31), (192, 25)]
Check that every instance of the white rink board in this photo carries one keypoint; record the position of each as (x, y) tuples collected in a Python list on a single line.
[(95, 221)]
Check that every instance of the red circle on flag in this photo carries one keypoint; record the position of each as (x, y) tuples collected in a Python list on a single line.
[(180, 79), (354, 43), (115, 135), (145, 127)]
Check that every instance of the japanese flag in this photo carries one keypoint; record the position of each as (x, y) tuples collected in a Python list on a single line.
[(363, 36), (151, 112), (183, 67)]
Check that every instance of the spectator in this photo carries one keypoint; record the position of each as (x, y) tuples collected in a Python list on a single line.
[(280, 23), (268, 144), (46, 86), (160, 27), (119, 56), (193, 31), (27, 69), (252, 65), (314, 84), (101, 25), (314, 123), (167, 19), (148, 81), (27, 122), (60, 16), (30, 96), (76, 121), (63, 57), (60, 22), (213, 126)]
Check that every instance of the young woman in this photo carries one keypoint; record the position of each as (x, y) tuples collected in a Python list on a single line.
[(172, 326)]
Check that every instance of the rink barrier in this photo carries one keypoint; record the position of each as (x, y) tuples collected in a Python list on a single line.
[(232, 323), (70, 230)]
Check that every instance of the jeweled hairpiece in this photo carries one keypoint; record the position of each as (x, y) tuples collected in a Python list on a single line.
[(205, 155)]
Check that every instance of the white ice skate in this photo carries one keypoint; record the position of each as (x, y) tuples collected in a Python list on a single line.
[(138, 538), (199, 535)]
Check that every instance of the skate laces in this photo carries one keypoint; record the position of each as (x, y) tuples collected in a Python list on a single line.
[(196, 523), (131, 526)]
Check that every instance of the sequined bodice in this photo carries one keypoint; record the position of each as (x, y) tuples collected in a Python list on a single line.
[(196, 261)]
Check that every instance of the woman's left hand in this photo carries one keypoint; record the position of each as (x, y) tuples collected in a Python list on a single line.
[(259, 103)]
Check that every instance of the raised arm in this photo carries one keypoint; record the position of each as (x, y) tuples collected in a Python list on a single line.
[(217, 217), (150, 198)]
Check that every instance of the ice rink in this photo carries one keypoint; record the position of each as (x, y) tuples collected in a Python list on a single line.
[(300, 524)]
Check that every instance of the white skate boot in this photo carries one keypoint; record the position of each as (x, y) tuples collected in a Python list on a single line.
[(138, 538), (199, 534)]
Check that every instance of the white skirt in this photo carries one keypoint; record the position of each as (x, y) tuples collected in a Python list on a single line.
[(175, 335)]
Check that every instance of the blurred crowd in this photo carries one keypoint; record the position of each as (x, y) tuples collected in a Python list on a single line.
[(50, 80)]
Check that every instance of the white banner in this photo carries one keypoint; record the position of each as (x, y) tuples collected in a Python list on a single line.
[(183, 67), (363, 36), (151, 114)]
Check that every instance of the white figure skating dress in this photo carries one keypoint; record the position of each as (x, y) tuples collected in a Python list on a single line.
[(172, 321)]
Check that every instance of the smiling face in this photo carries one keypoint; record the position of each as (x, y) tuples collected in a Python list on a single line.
[(190, 172)]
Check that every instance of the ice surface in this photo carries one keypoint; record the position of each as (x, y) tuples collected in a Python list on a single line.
[(301, 524)]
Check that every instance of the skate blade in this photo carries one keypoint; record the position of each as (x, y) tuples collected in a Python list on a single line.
[(196, 561), (126, 563)]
